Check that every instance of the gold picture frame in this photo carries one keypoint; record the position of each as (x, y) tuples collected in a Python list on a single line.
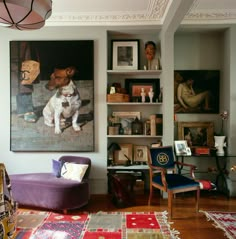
[(197, 134), (124, 154), (140, 153)]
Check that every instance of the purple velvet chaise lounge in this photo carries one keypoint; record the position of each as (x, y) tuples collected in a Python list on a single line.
[(45, 190)]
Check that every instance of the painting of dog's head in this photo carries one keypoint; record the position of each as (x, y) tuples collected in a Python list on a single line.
[(65, 103), (61, 77)]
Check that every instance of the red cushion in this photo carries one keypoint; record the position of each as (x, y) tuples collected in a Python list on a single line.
[(205, 185)]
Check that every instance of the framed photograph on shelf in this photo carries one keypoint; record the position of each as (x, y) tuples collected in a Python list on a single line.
[(126, 119), (125, 54), (124, 154), (140, 154), (181, 147), (134, 86), (196, 134)]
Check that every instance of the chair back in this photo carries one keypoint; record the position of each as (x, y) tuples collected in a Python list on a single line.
[(162, 157)]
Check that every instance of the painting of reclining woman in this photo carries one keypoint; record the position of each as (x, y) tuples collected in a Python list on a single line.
[(196, 91)]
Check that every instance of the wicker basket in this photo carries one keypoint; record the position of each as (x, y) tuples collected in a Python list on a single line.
[(117, 97)]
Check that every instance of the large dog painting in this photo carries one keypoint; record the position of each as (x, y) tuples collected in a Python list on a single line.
[(52, 96), (196, 91)]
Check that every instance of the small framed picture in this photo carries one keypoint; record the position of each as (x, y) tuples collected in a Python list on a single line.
[(126, 119), (140, 153), (124, 154), (134, 86), (125, 54), (181, 147)]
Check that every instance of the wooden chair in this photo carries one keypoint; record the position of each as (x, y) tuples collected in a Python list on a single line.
[(162, 167)]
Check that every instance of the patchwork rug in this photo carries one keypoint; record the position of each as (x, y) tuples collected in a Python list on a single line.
[(223, 220), (102, 225)]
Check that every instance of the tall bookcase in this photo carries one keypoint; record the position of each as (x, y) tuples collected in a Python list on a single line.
[(141, 74)]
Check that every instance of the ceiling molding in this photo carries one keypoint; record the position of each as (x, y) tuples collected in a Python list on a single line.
[(152, 15)]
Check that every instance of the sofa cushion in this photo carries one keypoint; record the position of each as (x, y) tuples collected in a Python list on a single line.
[(56, 167), (73, 171)]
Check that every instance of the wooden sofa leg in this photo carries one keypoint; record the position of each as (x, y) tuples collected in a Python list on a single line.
[(65, 211)]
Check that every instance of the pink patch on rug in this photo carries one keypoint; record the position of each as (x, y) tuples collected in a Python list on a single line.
[(142, 221), (102, 235), (54, 217)]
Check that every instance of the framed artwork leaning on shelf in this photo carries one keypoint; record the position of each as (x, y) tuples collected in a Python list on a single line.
[(125, 154), (125, 54), (140, 154), (196, 134), (181, 147), (134, 88), (126, 119)]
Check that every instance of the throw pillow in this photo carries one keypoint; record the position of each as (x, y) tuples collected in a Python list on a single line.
[(56, 167), (73, 171)]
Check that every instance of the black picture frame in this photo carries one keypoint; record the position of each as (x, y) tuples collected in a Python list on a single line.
[(203, 81), (37, 136), (133, 87)]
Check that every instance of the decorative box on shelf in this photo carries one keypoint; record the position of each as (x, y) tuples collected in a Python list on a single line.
[(202, 151), (118, 97)]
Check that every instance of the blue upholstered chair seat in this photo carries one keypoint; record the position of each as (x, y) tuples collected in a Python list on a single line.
[(175, 181)]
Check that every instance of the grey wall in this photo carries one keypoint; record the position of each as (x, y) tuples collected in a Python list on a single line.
[(41, 162), (191, 51)]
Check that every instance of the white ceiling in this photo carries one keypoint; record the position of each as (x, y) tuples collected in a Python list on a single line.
[(138, 12)]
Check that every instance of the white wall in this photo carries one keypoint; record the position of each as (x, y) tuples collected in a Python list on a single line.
[(41, 162)]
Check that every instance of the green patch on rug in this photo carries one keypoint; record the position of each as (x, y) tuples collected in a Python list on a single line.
[(30, 219), (102, 225), (226, 221)]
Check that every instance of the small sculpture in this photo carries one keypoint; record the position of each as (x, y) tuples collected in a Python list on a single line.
[(143, 94), (151, 94), (150, 52)]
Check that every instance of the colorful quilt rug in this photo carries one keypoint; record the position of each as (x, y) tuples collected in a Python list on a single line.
[(102, 225), (223, 220)]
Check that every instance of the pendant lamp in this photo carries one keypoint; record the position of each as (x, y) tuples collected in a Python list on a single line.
[(24, 14)]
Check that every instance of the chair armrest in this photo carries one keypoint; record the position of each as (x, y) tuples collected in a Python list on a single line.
[(192, 168), (162, 171)]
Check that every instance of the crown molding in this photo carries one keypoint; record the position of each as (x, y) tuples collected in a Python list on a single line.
[(151, 15)]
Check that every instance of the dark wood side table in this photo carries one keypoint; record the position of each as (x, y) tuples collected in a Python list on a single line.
[(139, 171)]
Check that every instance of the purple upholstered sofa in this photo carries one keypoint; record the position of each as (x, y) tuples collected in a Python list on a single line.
[(45, 190)]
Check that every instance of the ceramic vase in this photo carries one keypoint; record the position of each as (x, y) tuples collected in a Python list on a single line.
[(220, 144)]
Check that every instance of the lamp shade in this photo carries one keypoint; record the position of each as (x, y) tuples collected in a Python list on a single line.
[(24, 14)]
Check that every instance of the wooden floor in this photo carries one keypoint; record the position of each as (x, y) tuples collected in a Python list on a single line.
[(185, 220)]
